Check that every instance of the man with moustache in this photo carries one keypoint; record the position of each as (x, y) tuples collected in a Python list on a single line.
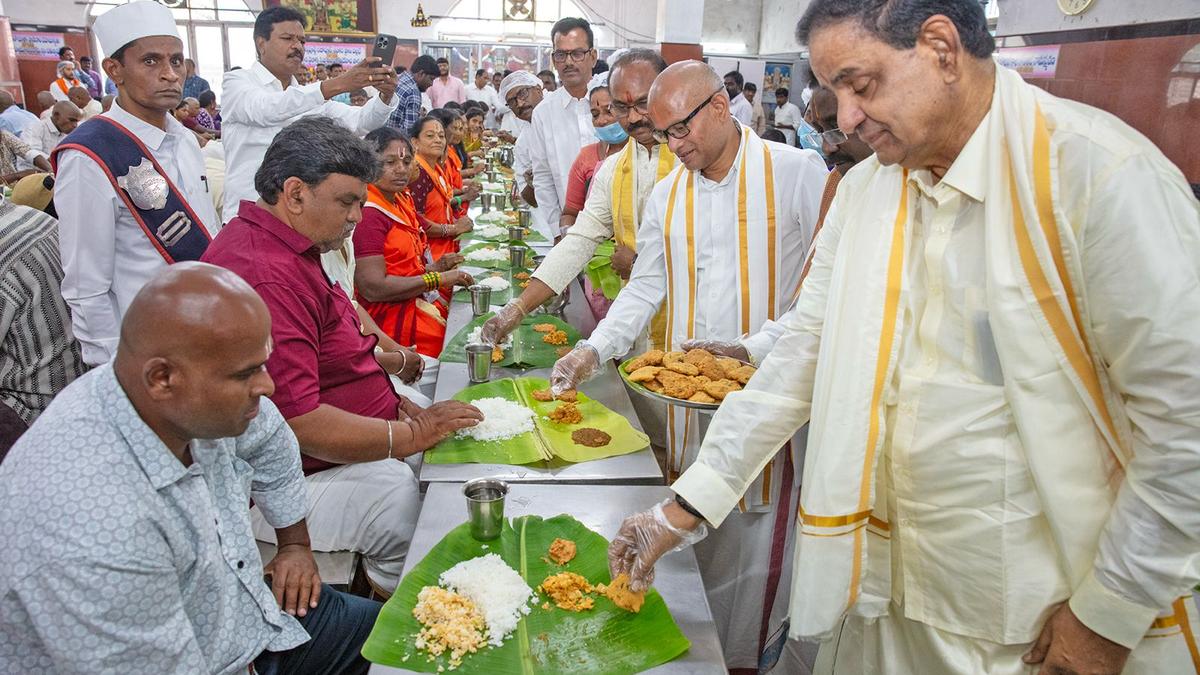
[(260, 100), (997, 347), (522, 92), (127, 543), (331, 385), (721, 244), (615, 202), (130, 187), (563, 124)]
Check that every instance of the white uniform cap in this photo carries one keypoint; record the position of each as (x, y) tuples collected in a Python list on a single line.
[(515, 79), (125, 23)]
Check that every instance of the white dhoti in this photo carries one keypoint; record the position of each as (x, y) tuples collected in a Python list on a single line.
[(895, 645), (723, 259), (370, 508)]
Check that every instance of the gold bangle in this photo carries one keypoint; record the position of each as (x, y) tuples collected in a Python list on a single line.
[(389, 426)]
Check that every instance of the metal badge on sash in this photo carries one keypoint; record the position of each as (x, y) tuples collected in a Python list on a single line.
[(146, 187)]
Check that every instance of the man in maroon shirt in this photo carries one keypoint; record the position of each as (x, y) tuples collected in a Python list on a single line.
[(330, 384)]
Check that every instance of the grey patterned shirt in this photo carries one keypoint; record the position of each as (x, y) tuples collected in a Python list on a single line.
[(116, 558), (39, 354)]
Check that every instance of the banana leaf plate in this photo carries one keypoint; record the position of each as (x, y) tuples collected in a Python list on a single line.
[(498, 297), (528, 348), (605, 639), (549, 441)]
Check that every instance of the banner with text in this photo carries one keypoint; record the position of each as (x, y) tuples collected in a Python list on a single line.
[(39, 46), (1030, 62), (345, 53)]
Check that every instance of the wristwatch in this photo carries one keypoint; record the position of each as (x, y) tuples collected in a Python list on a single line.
[(683, 504)]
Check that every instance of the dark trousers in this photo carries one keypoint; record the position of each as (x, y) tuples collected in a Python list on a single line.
[(338, 627), (11, 428)]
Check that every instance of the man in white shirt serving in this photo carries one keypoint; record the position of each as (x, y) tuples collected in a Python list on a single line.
[(562, 125), (998, 346), (721, 244), (615, 201), (131, 192), (260, 100)]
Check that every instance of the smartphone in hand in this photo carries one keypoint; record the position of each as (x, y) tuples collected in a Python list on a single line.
[(385, 49)]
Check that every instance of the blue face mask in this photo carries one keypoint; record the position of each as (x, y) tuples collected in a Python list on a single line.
[(612, 133)]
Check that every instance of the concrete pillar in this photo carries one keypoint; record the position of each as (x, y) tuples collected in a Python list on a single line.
[(679, 26)]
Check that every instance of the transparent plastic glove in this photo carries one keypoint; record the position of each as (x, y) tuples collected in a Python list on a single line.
[(504, 322), (643, 539), (733, 350), (575, 368)]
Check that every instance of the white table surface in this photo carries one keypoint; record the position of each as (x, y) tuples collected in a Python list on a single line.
[(601, 508)]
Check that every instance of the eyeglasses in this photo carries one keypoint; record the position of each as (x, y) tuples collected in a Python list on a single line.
[(576, 55), (622, 109), (681, 129), (833, 137), (519, 96)]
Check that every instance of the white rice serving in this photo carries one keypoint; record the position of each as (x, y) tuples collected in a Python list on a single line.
[(489, 231), (495, 283), (487, 254), (475, 338), (501, 595), (502, 419)]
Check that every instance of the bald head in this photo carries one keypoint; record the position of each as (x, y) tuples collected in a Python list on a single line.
[(6, 100), (79, 96), (194, 343), (65, 116), (173, 314), (693, 88), (45, 99)]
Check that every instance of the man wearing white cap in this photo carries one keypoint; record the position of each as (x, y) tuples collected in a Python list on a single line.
[(517, 82), (261, 100), (130, 187), (522, 91)]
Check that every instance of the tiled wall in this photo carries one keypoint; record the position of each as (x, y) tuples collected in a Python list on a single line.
[(1153, 83)]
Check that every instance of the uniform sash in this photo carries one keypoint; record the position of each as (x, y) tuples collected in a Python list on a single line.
[(626, 218), (757, 296), (1033, 261), (175, 230)]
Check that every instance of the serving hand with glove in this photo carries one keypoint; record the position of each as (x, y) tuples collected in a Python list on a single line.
[(733, 350), (577, 367), (647, 536)]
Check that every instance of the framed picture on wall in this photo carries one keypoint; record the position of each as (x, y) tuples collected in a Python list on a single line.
[(775, 75), (333, 17)]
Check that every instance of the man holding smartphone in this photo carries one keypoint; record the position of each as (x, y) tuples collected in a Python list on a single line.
[(264, 98)]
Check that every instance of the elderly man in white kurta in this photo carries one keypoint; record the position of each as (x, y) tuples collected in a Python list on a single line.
[(616, 197), (562, 124), (721, 244), (110, 239), (998, 346), (260, 100)]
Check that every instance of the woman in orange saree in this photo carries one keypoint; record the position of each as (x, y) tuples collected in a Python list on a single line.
[(455, 165), (432, 191), (394, 279)]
